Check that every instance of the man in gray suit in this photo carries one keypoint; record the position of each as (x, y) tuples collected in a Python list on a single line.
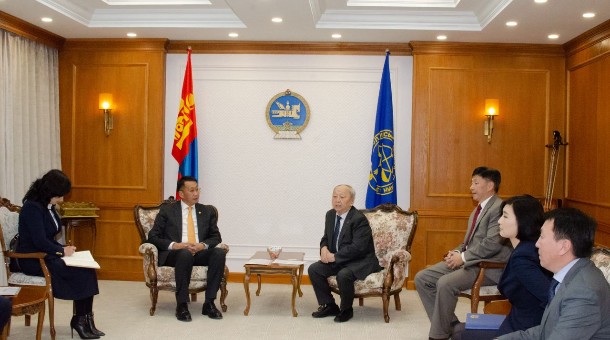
[(579, 300), (438, 286), (186, 235), (347, 251)]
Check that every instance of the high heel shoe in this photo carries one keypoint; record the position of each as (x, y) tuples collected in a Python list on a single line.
[(79, 323), (91, 324)]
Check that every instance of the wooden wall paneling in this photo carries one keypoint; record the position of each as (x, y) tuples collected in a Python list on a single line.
[(588, 163), (582, 136), (118, 171), (451, 83)]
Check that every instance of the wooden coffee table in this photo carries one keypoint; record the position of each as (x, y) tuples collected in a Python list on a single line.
[(260, 263)]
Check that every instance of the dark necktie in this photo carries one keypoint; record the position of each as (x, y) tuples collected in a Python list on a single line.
[(335, 245), (552, 288), (471, 231)]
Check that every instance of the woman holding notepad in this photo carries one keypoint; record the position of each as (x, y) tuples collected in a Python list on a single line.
[(39, 223), (524, 282)]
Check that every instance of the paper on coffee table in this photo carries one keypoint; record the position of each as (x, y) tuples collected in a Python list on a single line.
[(288, 262), (264, 262)]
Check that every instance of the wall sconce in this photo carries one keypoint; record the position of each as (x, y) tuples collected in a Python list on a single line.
[(106, 106), (492, 108)]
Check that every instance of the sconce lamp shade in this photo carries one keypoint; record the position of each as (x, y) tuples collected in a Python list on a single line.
[(492, 107), (105, 101)]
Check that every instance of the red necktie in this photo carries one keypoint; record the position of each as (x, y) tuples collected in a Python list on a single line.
[(474, 223)]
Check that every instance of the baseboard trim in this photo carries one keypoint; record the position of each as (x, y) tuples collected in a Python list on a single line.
[(234, 277)]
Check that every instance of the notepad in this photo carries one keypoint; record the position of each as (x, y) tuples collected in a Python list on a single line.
[(484, 321), (9, 291), (82, 259)]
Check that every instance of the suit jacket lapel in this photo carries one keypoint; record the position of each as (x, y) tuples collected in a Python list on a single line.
[(482, 214), (347, 222), (177, 212), (200, 224), (559, 295)]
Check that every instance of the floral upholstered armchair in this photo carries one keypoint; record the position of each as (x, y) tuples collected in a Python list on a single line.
[(601, 258), (393, 231), (163, 277)]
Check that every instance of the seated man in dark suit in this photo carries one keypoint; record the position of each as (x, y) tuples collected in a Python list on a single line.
[(184, 241), (579, 298), (347, 251)]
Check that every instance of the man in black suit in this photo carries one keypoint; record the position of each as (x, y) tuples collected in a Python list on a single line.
[(186, 235), (347, 251)]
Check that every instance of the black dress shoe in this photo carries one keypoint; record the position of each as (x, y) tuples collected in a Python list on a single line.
[(345, 315), (182, 312), (326, 310), (211, 311)]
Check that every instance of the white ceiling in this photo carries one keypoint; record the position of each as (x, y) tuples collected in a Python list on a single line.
[(316, 20)]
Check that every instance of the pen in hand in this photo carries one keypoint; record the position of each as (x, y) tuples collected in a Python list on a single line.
[(69, 249)]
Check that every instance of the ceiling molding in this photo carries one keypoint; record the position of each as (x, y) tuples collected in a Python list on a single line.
[(403, 20), (201, 18), (276, 47), (404, 3), (145, 17), (456, 48), (156, 2)]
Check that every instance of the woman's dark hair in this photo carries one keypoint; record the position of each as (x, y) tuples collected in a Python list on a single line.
[(529, 214), (53, 184)]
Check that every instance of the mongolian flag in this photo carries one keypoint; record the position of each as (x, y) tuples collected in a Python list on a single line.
[(382, 178), (184, 149)]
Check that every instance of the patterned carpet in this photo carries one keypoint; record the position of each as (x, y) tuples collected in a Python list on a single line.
[(121, 311)]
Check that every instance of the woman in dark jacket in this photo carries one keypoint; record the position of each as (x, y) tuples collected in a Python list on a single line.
[(39, 223), (524, 282)]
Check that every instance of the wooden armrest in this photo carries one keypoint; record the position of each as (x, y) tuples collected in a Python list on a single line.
[(38, 255), (476, 286)]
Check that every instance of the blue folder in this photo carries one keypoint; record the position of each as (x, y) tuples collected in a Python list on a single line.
[(484, 321)]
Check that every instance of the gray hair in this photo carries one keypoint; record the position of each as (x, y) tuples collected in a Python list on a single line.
[(349, 187)]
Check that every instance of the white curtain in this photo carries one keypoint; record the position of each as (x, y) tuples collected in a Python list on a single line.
[(29, 113)]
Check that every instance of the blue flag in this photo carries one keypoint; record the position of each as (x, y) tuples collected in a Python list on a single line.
[(382, 178)]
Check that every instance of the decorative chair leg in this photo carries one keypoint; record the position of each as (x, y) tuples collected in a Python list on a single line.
[(223, 290), (154, 292), (397, 301), (386, 305), (52, 315)]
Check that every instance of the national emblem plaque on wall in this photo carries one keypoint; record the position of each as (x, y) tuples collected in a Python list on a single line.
[(287, 114)]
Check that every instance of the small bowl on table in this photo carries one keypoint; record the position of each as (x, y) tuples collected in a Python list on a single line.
[(274, 251)]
